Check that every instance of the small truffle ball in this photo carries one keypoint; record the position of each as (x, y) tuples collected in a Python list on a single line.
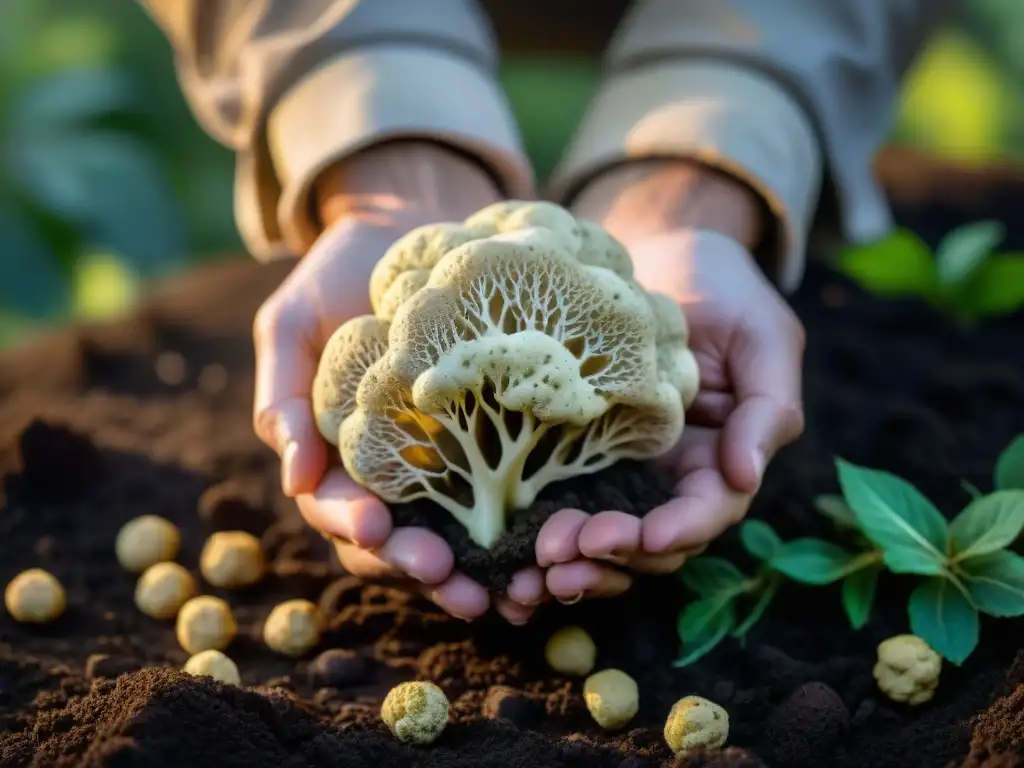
[(612, 697), (571, 651), (146, 541), (695, 722), (35, 597), (162, 590), (213, 664), (232, 559), (293, 628), (205, 623), (416, 712), (907, 669)]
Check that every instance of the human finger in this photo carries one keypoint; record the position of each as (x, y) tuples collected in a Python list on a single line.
[(557, 541), (457, 595), (460, 596), (570, 582), (611, 536), (527, 587), (514, 613), (703, 509), (341, 508), (283, 336), (420, 553)]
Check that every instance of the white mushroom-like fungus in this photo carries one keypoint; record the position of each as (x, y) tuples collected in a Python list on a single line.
[(695, 722), (907, 669), (416, 712), (506, 353)]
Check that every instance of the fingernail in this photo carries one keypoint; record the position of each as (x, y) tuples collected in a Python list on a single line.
[(517, 622), (571, 600), (613, 559), (288, 456), (758, 459)]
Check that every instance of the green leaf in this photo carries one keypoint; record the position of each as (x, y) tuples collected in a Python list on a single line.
[(897, 517), (760, 539), (997, 288), (812, 561), (112, 188), (69, 97), (763, 601), (31, 281), (972, 490), (859, 594), (996, 583), (712, 576), (834, 507), (988, 524), (942, 616), (702, 625), (1009, 474), (962, 252), (900, 265)]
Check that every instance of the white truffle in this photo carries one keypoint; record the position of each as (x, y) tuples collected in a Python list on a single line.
[(416, 712), (907, 669), (35, 596), (696, 722), (612, 697), (162, 590), (571, 651), (205, 623), (293, 628), (213, 664), (232, 559), (146, 541)]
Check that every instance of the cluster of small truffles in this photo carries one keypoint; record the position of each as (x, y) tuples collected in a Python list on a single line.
[(204, 624), (613, 698)]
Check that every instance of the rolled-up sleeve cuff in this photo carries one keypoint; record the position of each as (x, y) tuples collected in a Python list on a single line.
[(367, 96), (727, 116)]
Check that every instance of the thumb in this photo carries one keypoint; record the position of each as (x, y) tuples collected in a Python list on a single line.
[(766, 361), (282, 413)]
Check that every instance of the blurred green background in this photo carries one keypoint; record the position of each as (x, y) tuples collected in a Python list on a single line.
[(106, 182)]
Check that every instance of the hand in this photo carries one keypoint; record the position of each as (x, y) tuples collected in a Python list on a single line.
[(690, 231), (367, 203)]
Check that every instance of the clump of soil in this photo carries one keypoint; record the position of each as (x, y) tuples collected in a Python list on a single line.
[(93, 434), (632, 487)]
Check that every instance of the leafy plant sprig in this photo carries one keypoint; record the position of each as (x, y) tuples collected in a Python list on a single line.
[(965, 566), (965, 275)]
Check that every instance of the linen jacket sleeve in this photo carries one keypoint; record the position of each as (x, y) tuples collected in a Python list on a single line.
[(293, 86), (792, 96)]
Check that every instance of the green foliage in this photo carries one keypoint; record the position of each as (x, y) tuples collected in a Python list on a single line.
[(965, 565), (1009, 474), (964, 276), (102, 155)]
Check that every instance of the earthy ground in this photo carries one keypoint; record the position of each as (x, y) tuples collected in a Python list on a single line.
[(152, 415)]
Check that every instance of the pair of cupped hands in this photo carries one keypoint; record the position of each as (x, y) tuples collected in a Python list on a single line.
[(688, 229)]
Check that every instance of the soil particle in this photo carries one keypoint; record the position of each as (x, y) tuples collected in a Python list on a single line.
[(998, 738)]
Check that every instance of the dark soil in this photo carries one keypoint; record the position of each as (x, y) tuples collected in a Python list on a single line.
[(631, 487), (152, 415)]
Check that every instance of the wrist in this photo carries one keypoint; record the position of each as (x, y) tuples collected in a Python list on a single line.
[(642, 198), (403, 184)]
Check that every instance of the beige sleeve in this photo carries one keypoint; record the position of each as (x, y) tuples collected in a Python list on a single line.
[(781, 93), (294, 85)]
